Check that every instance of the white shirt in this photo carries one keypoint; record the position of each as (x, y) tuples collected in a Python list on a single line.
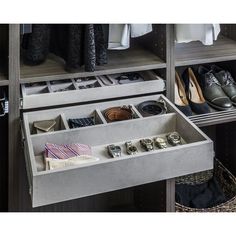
[(206, 33), (119, 34)]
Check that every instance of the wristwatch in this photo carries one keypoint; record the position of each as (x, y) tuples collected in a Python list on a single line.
[(130, 148), (174, 138), (147, 144), (160, 142), (114, 151)]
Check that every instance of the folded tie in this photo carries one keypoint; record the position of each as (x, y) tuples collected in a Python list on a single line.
[(81, 122), (66, 151), (60, 156)]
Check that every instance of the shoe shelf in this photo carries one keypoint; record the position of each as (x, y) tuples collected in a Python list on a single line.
[(223, 49), (213, 118), (119, 61)]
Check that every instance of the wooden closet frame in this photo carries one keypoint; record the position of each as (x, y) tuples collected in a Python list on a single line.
[(14, 107)]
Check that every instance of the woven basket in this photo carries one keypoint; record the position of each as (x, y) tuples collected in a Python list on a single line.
[(226, 181)]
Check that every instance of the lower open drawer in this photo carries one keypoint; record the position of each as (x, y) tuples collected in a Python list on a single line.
[(107, 174)]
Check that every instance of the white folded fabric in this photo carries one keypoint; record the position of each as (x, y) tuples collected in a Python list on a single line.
[(51, 163)]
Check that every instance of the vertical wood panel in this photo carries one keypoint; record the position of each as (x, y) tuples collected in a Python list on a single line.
[(170, 62), (14, 116), (170, 82)]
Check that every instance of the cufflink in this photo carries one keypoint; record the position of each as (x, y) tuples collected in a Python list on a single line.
[(160, 143), (174, 138), (130, 148), (114, 151), (147, 144)]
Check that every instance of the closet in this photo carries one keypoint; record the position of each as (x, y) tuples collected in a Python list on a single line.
[(155, 51)]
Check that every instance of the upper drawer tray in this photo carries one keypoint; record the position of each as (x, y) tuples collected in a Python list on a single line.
[(108, 174), (79, 90)]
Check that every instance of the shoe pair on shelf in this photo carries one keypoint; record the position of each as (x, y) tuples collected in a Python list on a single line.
[(188, 94), (214, 84), (218, 87)]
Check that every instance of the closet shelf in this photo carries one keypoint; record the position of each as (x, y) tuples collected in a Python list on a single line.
[(119, 61), (223, 49), (213, 118)]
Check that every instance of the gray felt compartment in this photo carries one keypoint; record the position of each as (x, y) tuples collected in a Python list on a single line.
[(110, 174)]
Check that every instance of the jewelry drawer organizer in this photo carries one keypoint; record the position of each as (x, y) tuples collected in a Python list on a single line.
[(108, 174), (89, 89)]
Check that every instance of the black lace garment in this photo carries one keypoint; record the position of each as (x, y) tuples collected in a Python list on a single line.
[(77, 44)]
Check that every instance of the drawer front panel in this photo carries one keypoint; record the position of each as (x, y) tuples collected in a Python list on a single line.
[(76, 183)]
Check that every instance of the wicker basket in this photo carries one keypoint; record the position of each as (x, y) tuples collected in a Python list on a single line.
[(226, 181)]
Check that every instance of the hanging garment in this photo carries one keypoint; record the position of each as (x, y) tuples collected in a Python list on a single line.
[(77, 44), (138, 30), (206, 33), (36, 44), (119, 34)]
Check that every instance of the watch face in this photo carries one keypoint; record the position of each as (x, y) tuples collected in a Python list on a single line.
[(147, 141), (147, 144), (130, 148), (114, 151), (160, 142), (174, 138)]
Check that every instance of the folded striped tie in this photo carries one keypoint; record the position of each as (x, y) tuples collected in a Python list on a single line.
[(66, 151)]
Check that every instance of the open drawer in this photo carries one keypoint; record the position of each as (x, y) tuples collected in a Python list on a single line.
[(107, 174), (79, 90)]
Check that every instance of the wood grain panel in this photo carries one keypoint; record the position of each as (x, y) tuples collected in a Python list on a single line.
[(223, 49), (119, 61), (14, 117)]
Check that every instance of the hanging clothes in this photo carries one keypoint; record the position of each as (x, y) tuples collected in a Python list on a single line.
[(119, 34), (77, 44), (138, 30), (206, 33)]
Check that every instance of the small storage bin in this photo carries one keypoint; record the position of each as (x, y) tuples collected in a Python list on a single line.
[(226, 180)]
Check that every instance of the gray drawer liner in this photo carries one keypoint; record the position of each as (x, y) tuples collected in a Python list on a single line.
[(109, 174)]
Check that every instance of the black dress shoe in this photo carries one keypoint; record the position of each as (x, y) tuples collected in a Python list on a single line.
[(181, 101), (194, 93), (212, 90), (227, 82)]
